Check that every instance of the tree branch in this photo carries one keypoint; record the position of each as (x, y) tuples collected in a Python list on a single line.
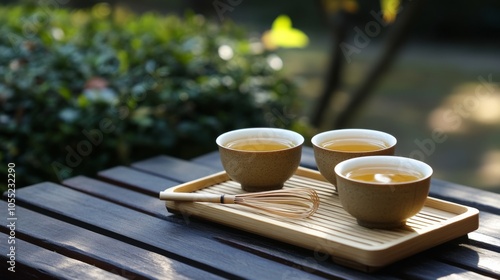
[(395, 40), (333, 76)]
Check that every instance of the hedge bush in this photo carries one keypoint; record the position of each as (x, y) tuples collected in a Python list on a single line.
[(84, 90)]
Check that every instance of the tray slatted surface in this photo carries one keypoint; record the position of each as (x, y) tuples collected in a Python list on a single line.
[(331, 229)]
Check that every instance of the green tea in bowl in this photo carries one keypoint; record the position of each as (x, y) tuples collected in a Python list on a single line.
[(260, 144), (334, 146), (262, 158), (355, 145), (383, 175), (383, 191)]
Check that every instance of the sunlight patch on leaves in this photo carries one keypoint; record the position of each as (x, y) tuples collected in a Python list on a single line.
[(390, 9), (282, 34)]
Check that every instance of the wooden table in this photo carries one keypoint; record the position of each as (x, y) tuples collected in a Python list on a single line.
[(116, 227)]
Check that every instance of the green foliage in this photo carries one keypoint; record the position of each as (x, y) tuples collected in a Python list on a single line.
[(81, 91)]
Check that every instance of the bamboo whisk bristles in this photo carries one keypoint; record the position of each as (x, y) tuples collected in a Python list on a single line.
[(291, 203)]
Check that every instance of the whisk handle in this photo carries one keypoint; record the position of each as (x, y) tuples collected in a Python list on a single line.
[(197, 197)]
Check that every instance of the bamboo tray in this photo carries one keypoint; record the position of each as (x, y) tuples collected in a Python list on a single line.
[(331, 230)]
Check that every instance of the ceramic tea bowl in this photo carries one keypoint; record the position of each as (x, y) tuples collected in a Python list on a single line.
[(383, 203), (326, 158), (249, 159)]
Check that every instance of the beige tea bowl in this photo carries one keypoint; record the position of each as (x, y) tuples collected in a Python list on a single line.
[(387, 202), (260, 159), (328, 158)]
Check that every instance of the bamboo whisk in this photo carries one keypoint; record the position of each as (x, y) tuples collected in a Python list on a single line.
[(293, 203)]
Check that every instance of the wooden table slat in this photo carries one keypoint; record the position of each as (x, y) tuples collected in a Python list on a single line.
[(307, 159), (34, 262), (209, 159), (470, 254), (149, 204), (484, 241), (428, 269), (136, 180), (489, 224), (173, 168), (473, 197)]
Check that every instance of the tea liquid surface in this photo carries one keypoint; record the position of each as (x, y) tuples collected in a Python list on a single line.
[(260, 144), (355, 145), (383, 175)]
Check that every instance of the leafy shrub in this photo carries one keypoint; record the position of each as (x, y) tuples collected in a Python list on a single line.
[(81, 91)]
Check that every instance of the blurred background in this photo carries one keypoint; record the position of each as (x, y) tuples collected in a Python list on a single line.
[(427, 72)]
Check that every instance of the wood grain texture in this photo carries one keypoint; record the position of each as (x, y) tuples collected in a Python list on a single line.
[(136, 180), (424, 268), (477, 198), (173, 168), (149, 204), (99, 250), (34, 262), (489, 224), (416, 267), (210, 159)]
